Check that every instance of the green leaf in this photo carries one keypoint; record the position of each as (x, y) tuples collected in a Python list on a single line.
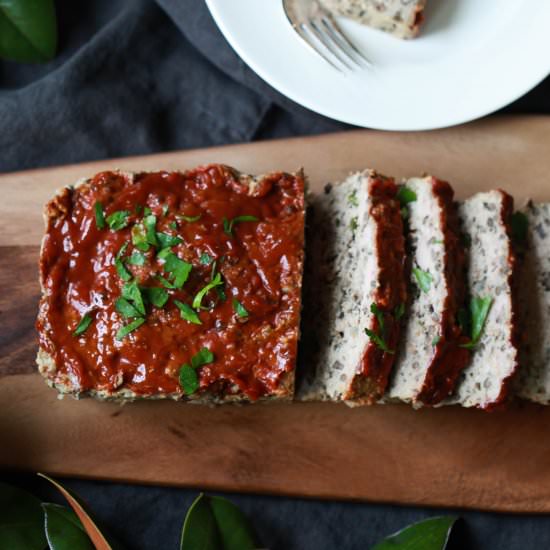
[(98, 539), (178, 268), (137, 258), (199, 528), (130, 327), (165, 282), (235, 530), (379, 316), (399, 311), (150, 223), (216, 281), (21, 520), (132, 292), (352, 198), (189, 379), (83, 325), (156, 296), (479, 310), (166, 240), (429, 534), (139, 238), (379, 342), (126, 309), (123, 273), (239, 309), (423, 278), (436, 340), (173, 225), (147, 211), (118, 220), (228, 225), (188, 313), (189, 218), (99, 215), (405, 195), (353, 224), (203, 357), (64, 530), (520, 225), (28, 30), (205, 259)]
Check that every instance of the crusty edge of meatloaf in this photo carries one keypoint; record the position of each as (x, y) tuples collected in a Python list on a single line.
[(46, 363)]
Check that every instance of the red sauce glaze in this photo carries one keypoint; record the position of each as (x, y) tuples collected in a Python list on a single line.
[(261, 265), (449, 358), (376, 364)]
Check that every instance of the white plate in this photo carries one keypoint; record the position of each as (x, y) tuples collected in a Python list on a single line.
[(471, 58)]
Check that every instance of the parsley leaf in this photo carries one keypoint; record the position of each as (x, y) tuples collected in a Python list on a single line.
[(123, 273), (479, 311), (132, 292), (520, 225), (378, 341), (205, 259), (165, 282), (139, 237), (189, 379), (118, 220), (239, 309), (379, 317), (352, 198), (190, 219), (167, 241), (229, 224), (130, 327), (436, 340), (423, 278), (399, 311), (187, 313), (405, 195), (216, 281), (99, 215), (178, 268), (137, 258), (125, 308), (203, 357), (155, 295), (147, 211), (173, 225), (353, 225), (83, 325), (150, 223)]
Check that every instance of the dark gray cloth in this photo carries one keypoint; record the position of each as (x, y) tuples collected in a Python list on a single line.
[(136, 77)]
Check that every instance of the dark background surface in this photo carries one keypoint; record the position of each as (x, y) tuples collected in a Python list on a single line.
[(141, 77)]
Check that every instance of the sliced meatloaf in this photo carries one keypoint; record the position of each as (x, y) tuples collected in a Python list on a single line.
[(181, 285), (431, 358), (534, 376), (355, 289), (486, 382), (402, 18)]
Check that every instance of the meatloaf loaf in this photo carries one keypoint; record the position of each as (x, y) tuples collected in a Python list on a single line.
[(181, 285), (356, 289)]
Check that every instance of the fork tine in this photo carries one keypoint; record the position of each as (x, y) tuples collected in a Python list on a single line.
[(341, 47), (330, 45), (346, 45), (302, 31)]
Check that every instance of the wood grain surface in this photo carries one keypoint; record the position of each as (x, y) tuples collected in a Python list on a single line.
[(447, 457)]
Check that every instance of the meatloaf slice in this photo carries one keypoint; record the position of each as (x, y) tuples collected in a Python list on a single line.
[(533, 381), (486, 221), (181, 285), (431, 357), (356, 289), (402, 18)]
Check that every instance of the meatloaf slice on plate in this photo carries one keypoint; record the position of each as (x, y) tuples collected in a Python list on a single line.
[(431, 358), (356, 289), (181, 285)]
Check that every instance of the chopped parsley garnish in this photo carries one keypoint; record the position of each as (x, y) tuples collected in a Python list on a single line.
[(399, 311), (165, 282), (178, 269), (216, 281), (229, 224), (352, 198), (205, 259), (147, 211), (405, 195), (188, 378), (150, 223), (139, 237), (438, 241), (353, 225), (479, 311), (378, 339), (155, 295), (173, 225), (118, 220), (423, 278), (520, 225), (137, 258), (190, 219), (436, 340), (239, 309), (83, 325), (132, 293), (130, 327), (99, 215), (123, 273), (167, 241), (125, 308), (188, 313)]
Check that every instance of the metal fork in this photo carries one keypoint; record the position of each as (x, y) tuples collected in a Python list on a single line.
[(319, 30)]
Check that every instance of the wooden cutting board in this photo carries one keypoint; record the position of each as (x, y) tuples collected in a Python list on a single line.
[(446, 457)]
